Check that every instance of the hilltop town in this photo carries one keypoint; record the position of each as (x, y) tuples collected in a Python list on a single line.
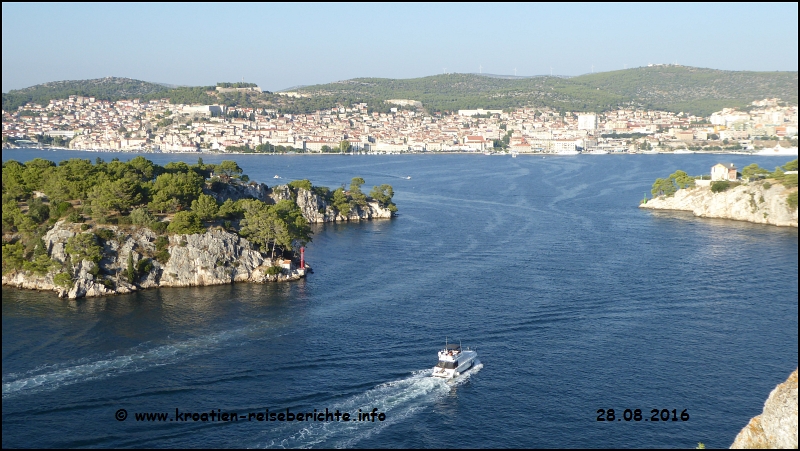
[(88, 123)]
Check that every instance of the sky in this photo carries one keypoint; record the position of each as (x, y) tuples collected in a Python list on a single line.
[(279, 46)]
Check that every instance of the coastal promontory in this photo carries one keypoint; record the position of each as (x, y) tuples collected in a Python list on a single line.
[(759, 197), (83, 229)]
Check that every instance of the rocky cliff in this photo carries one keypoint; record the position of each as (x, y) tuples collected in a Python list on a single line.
[(753, 202), (315, 208), (776, 427), (212, 258)]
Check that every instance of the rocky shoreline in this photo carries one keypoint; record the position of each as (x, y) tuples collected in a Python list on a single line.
[(755, 202), (215, 257), (776, 427)]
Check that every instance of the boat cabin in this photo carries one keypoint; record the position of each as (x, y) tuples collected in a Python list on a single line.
[(449, 355)]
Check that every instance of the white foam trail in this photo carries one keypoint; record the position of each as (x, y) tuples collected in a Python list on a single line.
[(51, 377), (397, 399)]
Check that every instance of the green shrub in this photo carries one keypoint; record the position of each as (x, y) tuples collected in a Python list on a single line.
[(720, 186), (13, 256), (130, 271), (161, 243), (63, 280), (790, 180), (84, 247), (105, 234), (141, 217), (60, 209), (74, 216), (274, 270), (162, 256), (85, 227), (38, 211), (94, 270), (767, 185), (159, 226), (162, 252), (185, 222), (791, 201), (305, 184), (41, 265), (144, 266)]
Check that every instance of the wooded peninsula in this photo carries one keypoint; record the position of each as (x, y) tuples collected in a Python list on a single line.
[(85, 229)]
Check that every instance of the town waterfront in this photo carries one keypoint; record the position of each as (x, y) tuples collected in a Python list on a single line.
[(576, 300)]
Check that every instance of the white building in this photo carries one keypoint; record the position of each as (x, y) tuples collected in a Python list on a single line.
[(208, 110), (477, 112), (587, 122)]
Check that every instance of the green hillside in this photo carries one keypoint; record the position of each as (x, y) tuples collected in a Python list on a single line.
[(672, 88), (693, 89), (109, 88)]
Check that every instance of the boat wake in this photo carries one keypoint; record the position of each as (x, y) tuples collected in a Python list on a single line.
[(52, 377), (398, 399)]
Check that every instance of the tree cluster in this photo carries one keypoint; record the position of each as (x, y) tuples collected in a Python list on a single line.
[(176, 198), (668, 186)]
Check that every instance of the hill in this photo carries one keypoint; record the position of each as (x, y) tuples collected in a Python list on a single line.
[(674, 88), (666, 87), (693, 89), (108, 88)]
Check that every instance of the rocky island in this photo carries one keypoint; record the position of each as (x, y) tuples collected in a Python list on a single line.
[(756, 196), (83, 229)]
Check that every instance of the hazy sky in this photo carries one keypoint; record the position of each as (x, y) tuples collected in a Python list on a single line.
[(284, 45)]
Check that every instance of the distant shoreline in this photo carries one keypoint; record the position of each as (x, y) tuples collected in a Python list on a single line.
[(459, 152)]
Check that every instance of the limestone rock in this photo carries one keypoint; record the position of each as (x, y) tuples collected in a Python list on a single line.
[(55, 239), (235, 191), (751, 202), (317, 210), (279, 193), (776, 427), (211, 258)]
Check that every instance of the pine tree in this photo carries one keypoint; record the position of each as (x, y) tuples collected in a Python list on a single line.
[(131, 269)]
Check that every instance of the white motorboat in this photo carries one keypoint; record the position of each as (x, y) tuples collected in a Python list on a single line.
[(276, 176), (778, 150), (453, 361)]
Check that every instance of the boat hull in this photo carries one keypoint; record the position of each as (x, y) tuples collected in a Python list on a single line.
[(465, 362)]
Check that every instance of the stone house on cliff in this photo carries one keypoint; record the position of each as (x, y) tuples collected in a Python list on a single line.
[(723, 171)]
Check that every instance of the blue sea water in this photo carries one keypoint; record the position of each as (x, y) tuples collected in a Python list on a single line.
[(575, 299)]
